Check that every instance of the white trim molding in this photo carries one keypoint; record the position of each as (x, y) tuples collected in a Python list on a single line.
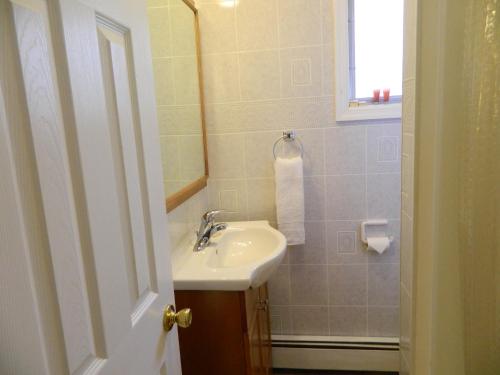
[(345, 111)]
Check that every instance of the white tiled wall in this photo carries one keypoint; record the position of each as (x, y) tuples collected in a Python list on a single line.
[(407, 195), (268, 66)]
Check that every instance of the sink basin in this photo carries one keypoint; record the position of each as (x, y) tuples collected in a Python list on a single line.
[(242, 256), (240, 246)]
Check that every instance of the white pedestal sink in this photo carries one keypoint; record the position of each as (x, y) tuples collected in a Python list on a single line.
[(242, 256)]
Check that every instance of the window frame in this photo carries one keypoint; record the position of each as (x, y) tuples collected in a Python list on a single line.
[(345, 111)]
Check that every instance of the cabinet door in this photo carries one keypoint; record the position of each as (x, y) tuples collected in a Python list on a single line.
[(216, 341), (252, 304), (255, 364), (265, 331)]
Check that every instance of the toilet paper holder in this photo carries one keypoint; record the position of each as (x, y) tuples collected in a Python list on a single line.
[(373, 223)]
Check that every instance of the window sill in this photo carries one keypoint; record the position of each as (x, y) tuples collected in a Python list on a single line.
[(369, 112)]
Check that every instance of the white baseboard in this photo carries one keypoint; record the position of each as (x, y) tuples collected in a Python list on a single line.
[(336, 353)]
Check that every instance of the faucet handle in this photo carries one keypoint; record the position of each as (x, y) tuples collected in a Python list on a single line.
[(207, 220), (209, 216)]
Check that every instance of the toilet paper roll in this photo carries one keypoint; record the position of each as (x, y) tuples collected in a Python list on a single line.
[(378, 244)]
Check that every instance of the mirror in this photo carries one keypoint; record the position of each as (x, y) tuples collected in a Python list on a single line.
[(175, 49)]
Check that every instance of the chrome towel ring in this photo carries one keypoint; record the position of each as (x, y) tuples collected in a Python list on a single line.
[(288, 136)]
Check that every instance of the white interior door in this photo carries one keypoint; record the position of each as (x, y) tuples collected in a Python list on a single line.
[(84, 258)]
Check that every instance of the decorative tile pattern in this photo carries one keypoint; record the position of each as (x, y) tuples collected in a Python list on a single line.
[(346, 242), (387, 149), (301, 72), (359, 255), (383, 148)]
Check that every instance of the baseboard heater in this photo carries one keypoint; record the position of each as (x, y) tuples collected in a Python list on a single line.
[(336, 353)]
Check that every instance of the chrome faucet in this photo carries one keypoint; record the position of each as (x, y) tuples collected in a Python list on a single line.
[(207, 229)]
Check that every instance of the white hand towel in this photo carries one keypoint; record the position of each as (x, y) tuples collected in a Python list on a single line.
[(289, 177)]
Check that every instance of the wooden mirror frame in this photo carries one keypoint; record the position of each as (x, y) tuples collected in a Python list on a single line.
[(188, 191)]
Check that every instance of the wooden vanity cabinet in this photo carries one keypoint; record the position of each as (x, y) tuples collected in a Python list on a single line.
[(230, 333)]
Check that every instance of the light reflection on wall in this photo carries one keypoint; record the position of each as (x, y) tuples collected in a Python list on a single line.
[(228, 3)]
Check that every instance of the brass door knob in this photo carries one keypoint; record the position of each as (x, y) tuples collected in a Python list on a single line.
[(263, 304), (183, 318)]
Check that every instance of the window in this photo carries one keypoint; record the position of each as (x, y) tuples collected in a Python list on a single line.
[(376, 47), (369, 57)]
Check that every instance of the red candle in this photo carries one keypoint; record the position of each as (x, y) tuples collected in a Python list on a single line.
[(387, 94), (376, 95)]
